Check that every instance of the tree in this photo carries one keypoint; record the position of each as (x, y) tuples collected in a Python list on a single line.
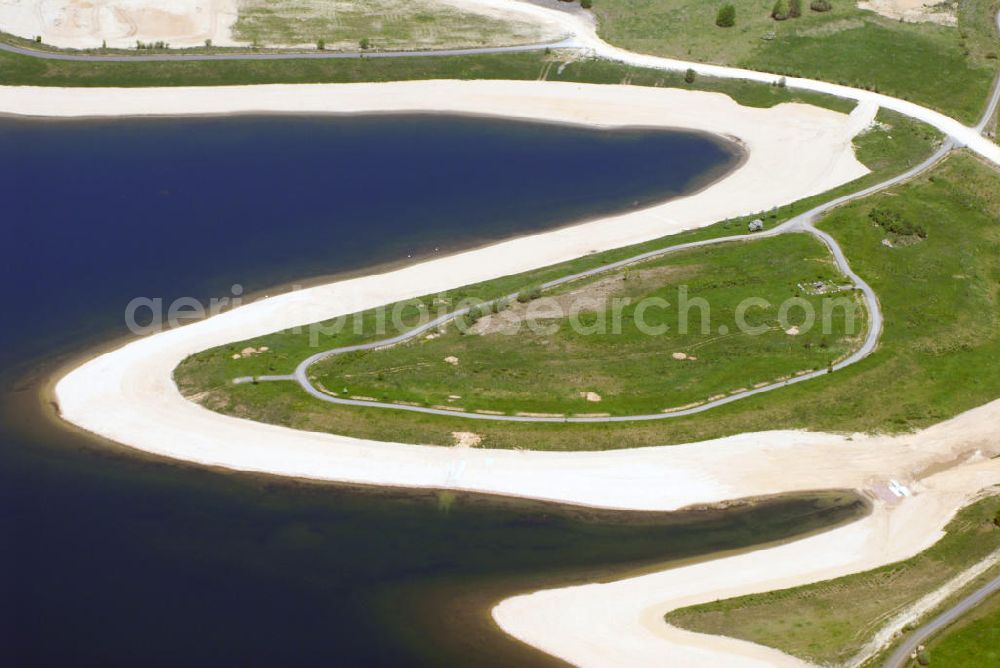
[(726, 18), (794, 9), (820, 5), (365, 43), (780, 11), (586, 4), (321, 44), (690, 76)]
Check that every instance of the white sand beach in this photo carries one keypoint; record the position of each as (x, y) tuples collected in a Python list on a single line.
[(128, 395)]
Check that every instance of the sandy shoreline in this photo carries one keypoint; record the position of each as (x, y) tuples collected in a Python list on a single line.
[(794, 151)]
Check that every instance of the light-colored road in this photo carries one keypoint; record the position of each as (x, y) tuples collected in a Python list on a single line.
[(802, 223), (901, 656)]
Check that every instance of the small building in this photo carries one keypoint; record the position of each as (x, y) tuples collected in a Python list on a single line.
[(756, 225)]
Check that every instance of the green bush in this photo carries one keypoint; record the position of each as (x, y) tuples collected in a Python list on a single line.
[(321, 44), (586, 4), (794, 9), (529, 294), (820, 5), (726, 18), (780, 11), (892, 221), (690, 76)]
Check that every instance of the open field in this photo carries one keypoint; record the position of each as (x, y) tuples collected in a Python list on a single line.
[(828, 622), (208, 376), (947, 68), (972, 642), (387, 24), (599, 355)]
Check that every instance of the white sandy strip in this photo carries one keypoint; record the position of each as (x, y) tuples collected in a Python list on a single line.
[(621, 623)]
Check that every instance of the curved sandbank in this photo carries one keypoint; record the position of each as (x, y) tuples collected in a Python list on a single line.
[(128, 395), (621, 623)]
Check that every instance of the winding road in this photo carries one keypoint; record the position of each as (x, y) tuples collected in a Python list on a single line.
[(804, 222)]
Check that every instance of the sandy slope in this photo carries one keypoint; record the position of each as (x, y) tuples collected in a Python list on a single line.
[(83, 24)]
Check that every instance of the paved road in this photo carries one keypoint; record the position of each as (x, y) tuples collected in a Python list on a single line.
[(901, 656)]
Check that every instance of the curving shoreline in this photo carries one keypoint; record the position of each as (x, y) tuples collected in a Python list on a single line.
[(793, 151)]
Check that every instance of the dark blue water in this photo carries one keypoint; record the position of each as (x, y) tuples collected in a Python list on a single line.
[(113, 559), (97, 213)]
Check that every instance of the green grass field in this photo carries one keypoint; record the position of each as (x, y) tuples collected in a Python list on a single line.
[(18, 70), (972, 642), (388, 24), (828, 622), (515, 362), (831, 402), (947, 68)]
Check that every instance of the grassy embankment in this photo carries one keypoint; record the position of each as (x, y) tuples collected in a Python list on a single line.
[(972, 642), (828, 622), (830, 402), (514, 361), (386, 24), (18, 70), (947, 68)]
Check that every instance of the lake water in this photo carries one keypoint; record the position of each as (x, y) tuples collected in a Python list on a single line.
[(109, 557)]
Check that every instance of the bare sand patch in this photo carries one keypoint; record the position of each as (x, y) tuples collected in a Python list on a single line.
[(466, 439), (914, 11), (82, 24)]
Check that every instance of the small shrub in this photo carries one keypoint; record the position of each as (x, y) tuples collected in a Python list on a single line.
[(820, 5), (38, 39), (529, 294), (996, 518), (794, 9), (726, 18), (321, 44), (365, 43), (892, 221), (780, 11), (924, 659), (208, 44), (586, 4), (690, 76)]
